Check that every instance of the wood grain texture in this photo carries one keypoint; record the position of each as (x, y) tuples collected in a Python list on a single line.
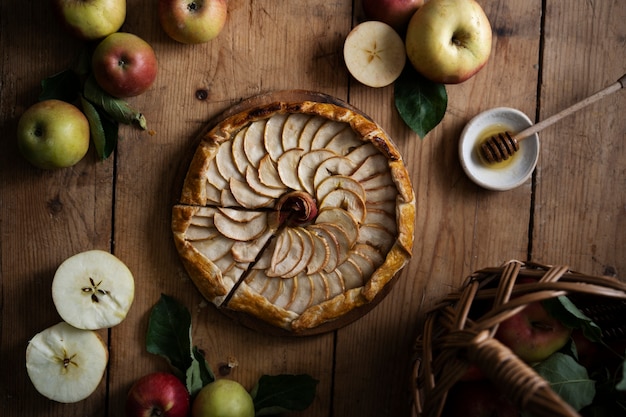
[(572, 212)]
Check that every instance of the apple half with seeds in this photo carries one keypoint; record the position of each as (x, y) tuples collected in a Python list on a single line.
[(374, 53), (93, 290), (66, 364)]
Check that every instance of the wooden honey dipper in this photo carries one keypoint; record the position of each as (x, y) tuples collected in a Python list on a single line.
[(501, 146)]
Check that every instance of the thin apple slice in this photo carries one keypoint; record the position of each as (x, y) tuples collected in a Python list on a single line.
[(281, 248), (370, 167), (309, 131), (309, 162), (66, 364), (225, 163), (338, 182), (320, 256), (293, 258), (214, 177), (287, 168), (342, 219), (215, 248), (335, 282), (307, 252), (359, 154), (337, 165), (255, 183), (352, 274), (247, 197), (374, 235), (93, 290), (343, 142), (369, 252), (343, 240), (374, 53), (287, 295), (227, 199), (366, 265), (239, 154), (212, 194), (252, 139), (332, 243), (327, 132), (346, 200), (382, 218), (292, 129), (303, 296), (321, 288), (382, 179), (240, 231), (272, 138), (239, 216), (268, 173)]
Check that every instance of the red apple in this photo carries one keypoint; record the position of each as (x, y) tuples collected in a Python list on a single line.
[(478, 399), (124, 65), (396, 13), (158, 394), (533, 334), (192, 21)]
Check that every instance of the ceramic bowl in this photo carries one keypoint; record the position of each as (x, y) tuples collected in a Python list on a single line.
[(505, 175)]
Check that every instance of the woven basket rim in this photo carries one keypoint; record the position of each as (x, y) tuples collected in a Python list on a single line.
[(451, 340)]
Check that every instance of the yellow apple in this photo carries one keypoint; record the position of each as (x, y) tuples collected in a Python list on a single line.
[(192, 21), (53, 134), (90, 19), (448, 41)]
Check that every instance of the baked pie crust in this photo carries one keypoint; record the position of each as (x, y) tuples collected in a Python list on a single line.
[(296, 214)]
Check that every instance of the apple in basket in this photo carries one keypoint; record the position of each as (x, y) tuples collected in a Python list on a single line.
[(533, 334), (478, 399)]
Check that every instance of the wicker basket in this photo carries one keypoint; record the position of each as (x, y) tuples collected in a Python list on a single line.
[(451, 340)]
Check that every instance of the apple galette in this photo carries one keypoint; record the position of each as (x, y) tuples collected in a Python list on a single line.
[(296, 213)]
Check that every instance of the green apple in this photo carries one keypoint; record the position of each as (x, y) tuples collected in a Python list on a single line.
[(192, 21), (90, 19), (448, 41), (53, 134), (124, 65), (533, 334), (223, 398)]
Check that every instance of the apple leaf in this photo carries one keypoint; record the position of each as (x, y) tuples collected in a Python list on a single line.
[(169, 333), (103, 130), (64, 86), (563, 309), (118, 109), (568, 379), (420, 102), (281, 393), (169, 336)]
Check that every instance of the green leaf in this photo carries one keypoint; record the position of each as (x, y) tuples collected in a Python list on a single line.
[(282, 393), (421, 103), (102, 129), (563, 309), (118, 109), (199, 373), (64, 86), (169, 333), (568, 379)]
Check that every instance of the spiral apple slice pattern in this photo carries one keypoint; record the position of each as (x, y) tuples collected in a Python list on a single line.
[(243, 225)]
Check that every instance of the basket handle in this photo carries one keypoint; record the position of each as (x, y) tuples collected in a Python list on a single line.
[(519, 382)]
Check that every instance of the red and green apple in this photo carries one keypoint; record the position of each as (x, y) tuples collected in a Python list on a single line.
[(159, 394), (124, 65), (90, 19), (192, 21)]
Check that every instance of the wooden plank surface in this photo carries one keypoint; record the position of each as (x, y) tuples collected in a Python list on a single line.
[(546, 55)]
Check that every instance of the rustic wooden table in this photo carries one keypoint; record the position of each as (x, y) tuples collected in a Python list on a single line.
[(546, 55)]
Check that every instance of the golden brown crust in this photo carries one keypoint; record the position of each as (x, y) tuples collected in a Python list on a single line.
[(207, 276)]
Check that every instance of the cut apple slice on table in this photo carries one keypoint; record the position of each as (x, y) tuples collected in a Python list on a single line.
[(93, 290), (66, 364), (374, 53)]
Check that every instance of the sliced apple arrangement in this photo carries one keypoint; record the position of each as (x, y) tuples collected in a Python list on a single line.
[(91, 290), (309, 213)]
